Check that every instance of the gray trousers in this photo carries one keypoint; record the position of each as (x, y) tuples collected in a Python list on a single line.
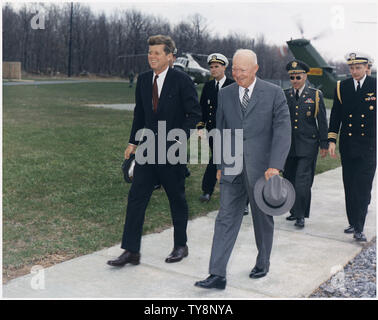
[(233, 197)]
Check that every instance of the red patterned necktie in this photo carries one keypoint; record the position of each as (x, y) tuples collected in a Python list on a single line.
[(155, 94)]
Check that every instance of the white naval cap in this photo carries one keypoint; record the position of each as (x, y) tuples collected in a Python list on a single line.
[(217, 57), (357, 57)]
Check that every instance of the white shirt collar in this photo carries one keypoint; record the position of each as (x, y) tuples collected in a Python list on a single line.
[(221, 82), (242, 90), (160, 79), (300, 90), (361, 82)]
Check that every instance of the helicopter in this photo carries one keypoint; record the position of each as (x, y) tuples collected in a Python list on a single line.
[(189, 65), (321, 74), (185, 63)]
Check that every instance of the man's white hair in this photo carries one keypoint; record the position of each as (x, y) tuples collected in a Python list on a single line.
[(247, 53)]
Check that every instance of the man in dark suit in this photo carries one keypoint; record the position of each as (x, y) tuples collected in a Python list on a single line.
[(354, 108), (165, 95), (309, 130), (209, 101), (259, 110)]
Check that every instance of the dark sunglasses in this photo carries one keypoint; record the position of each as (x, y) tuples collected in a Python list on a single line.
[(296, 77)]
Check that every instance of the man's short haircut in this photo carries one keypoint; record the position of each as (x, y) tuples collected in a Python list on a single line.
[(169, 44), (247, 53)]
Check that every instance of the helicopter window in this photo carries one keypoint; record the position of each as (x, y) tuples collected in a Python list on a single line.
[(182, 61)]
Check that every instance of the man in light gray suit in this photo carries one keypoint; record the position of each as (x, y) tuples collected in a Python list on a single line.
[(260, 109)]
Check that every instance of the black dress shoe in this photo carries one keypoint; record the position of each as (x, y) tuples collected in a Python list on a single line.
[(350, 229), (246, 210), (187, 172), (258, 273), (212, 281), (205, 197), (359, 236), (177, 254), (300, 223), (124, 258), (291, 218)]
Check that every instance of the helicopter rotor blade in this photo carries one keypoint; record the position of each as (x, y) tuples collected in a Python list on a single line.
[(320, 35), (300, 27)]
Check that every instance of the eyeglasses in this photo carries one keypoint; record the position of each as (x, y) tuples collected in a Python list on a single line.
[(296, 77)]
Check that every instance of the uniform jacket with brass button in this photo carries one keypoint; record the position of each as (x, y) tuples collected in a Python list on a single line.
[(209, 102), (308, 122), (356, 114)]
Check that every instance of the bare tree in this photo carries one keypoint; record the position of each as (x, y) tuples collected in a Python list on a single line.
[(116, 45)]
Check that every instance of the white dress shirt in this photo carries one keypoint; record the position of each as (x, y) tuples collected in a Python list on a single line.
[(160, 79), (242, 90), (361, 82), (221, 82), (300, 90)]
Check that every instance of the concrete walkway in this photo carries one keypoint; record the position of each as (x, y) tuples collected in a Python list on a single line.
[(119, 106), (43, 82), (301, 259)]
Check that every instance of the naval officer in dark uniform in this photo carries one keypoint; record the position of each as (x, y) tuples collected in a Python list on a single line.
[(309, 132), (354, 109), (209, 100)]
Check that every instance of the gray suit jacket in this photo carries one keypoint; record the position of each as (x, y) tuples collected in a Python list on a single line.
[(266, 128)]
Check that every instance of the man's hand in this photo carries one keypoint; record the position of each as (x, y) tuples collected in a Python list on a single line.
[(323, 152), (219, 173), (129, 150), (271, 172), (332, 150)]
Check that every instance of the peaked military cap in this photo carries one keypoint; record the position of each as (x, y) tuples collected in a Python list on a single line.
[(297, 66), (217, 57), (356, 57)]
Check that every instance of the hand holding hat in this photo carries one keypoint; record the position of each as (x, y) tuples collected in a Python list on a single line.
[(128, 168), (274, 196), (129, 163)]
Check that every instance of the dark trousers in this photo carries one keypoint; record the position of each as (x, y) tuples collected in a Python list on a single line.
[(358, 175), (300, 172), (209, 179), (172, 178)]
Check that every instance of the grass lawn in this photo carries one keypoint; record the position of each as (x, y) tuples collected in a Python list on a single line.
[(63, 190)]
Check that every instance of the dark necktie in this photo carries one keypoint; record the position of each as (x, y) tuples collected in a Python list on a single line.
[(217, 86), (296, 95), (358, 87), (245, 100), (155, 94)]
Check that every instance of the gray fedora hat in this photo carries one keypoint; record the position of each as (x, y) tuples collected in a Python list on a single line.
[(128, 168), (275, 196)]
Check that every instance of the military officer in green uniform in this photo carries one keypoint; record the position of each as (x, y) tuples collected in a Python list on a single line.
[(354, 110), (309, 132)]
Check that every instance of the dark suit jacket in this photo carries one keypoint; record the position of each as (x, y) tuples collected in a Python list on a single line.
[(178, 104), (356, 113), (308, 132), (209, 103)]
